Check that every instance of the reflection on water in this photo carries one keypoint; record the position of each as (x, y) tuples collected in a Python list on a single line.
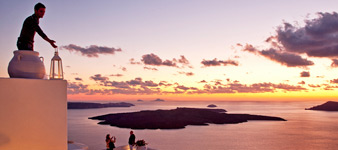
[(304, 129)]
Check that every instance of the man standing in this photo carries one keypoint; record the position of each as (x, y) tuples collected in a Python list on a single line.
[(30, 27), (131, 140)]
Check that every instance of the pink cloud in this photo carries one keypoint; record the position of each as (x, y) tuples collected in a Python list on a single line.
[(215, 62), (305, 74), (92, 50)]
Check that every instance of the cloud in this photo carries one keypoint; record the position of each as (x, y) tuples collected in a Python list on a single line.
[(301, 82), (334, 81), (288, 87), (152, 59), (181, 87), (329, 87), (117, 84), (131, 83), (165, 83), (150, 84), (318, 38), (92, 50), (138, 86), (237, 87), (149, 68), (123, 68), (136, 81), (288, 59), (314, 86), (257, 88), (141, 91), (187, 73), (218, 82), (76, 88), (134, 86), (78, 79), (284, 58), (98, 91), (203, 81), (116, 75), (184, 62), (99, 77), (169, 63), (254, 88), (184, 88), (126, 91), (324, 86), (305, 74), (133, 62), (334, 63), (215, 62), (249, 48)]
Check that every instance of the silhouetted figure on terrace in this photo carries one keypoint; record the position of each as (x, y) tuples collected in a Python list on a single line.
[(30, 27), (110, 142), (131, 141)]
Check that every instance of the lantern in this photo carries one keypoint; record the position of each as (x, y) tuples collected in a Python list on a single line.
[(56, 71)]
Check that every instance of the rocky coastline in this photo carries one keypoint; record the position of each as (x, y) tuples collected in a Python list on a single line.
[(177, 118), (328, 106)]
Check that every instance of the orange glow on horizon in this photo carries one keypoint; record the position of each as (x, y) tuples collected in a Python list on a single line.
[(278, 96)]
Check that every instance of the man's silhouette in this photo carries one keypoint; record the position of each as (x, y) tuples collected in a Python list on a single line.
[(30, 27), (131, 140)]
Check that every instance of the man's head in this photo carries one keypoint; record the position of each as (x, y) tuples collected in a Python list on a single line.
[(131, 132), (39, 10)]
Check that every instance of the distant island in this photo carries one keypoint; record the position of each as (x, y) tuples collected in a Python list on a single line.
[(328, 106), (212, 105), (85, 105), (140, 100), (176, 118), (158, 100)]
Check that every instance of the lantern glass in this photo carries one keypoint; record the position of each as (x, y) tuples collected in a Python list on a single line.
[(56, 70)]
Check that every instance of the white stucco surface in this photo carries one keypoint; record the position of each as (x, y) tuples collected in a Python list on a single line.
[(33, 114)]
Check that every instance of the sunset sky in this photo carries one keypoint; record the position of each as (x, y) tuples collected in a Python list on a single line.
[(185, 49)]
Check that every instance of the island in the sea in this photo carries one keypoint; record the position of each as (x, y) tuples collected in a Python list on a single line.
[(212, 105), (176, 118), (85, 105), (158, 100), (328, 106)]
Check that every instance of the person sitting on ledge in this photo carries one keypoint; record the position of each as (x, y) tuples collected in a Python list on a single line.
[(30, 27)]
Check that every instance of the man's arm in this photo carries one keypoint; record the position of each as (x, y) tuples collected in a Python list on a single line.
[(51, 42), (43, 35)]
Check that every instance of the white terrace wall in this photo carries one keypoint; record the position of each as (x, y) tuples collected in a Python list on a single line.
[(33, 114)]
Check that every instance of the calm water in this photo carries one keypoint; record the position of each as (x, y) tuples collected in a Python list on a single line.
[(310, 130)]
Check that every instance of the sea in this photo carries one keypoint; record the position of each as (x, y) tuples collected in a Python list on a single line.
[(303, 130)]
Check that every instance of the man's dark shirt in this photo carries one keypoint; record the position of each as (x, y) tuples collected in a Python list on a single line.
[(131, 139), (30, 26)]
